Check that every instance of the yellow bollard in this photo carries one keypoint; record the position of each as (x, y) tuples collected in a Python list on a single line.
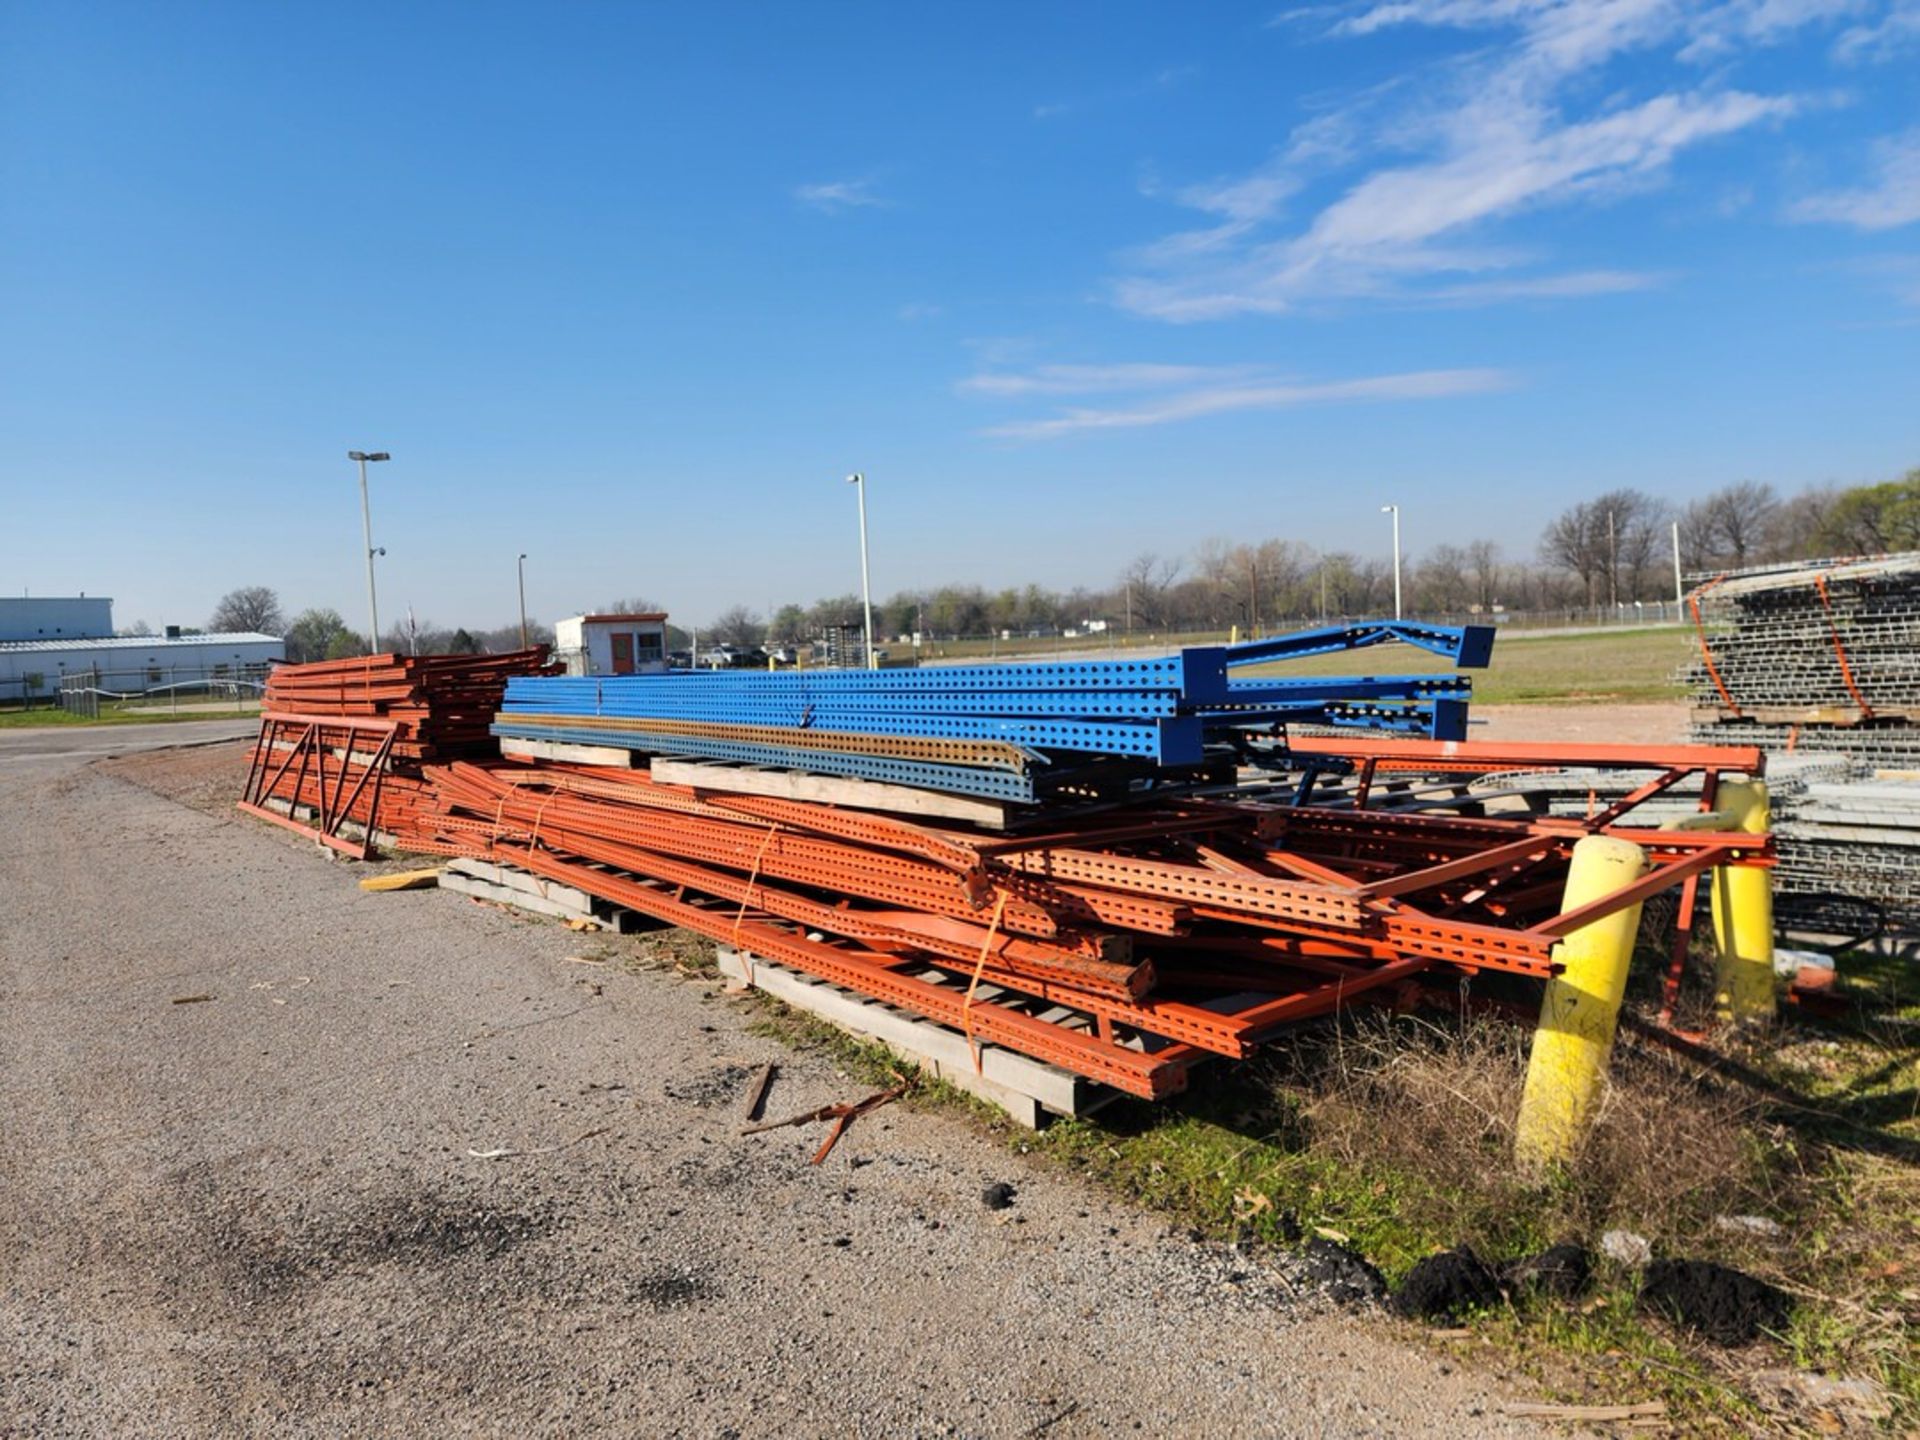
[(1580, 1009), (1743, 912)]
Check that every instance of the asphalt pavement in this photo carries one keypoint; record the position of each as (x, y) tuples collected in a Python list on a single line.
[(281, 1156)]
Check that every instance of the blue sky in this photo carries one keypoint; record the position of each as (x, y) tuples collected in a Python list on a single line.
[(632, 287)]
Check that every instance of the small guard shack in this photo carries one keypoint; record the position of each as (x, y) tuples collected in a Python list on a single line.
[(612, 644)]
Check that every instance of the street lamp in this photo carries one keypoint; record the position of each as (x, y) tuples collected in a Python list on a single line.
[(866, 586), (521, 566), (1394, 510), (363, 457)]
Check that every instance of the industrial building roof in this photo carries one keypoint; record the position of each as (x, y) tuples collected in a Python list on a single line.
[(143, 642)]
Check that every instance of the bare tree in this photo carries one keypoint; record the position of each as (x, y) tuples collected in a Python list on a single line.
[(251, 608), (1734, 526), (1569, 543), (1145, 582), (1606, 539), (1483, 563), (1440, 582), (739, 627), (1798, 524)]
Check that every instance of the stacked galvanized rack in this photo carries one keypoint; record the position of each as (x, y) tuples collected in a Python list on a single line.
[(1820, 664)]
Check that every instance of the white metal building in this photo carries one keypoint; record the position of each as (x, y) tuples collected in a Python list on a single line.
[(55, 617), (31, 669), (612, 644)]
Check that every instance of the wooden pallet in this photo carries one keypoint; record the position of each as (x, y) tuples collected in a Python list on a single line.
[(505, 885), (855, 794), (1028, 1090)]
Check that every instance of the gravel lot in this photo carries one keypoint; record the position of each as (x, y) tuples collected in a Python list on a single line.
[(239, 1188)]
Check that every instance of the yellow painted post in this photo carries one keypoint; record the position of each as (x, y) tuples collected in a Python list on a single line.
[(1233, 636), (1578, 1013), (1743, 912)]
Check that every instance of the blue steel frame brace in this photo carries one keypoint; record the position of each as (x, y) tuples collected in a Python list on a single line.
[(1469, 646)]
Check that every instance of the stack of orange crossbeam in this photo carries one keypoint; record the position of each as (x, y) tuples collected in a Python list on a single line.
[(439, 706), (444, 704), (1124, 946)]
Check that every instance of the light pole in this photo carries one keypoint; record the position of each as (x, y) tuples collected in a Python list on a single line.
[(366, 528), (1394, 510), (1679, 590), (859, 482), (521, 566)]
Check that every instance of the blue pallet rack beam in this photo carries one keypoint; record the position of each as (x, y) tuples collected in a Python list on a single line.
[(955, 779), (1174, 740)]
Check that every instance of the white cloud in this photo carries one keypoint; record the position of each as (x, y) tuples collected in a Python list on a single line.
[(1892, 200), (1436, 165), (1898, 275), (834, 196), (1166, 78), (1546, 287), (1395, 228), (1223, 397), (1721, 30), (1100, 379), (1507, 165), (1882, 39)]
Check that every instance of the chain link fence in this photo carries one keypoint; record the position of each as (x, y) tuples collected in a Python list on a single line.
[(156, 690)]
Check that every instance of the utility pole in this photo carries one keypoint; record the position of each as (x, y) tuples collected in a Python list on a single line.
[(1613, 564), (1679, 590), (366, 526)]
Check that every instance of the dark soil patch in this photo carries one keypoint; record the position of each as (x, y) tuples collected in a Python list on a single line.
[(670, 1289), (998, 1196), (717, 1084), (1562, 1272), (1727, 1306), (1342, 1275), (255, 1256), (1447, 1285), (425, 1227)]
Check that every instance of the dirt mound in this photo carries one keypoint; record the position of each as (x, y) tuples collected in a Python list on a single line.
[(1561, 1271), (1727, 1306), (1444, 1286), (1341, 1275)]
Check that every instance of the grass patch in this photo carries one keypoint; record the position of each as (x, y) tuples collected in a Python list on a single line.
[(114, 714), (1393, 1132), (1605, 665)]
